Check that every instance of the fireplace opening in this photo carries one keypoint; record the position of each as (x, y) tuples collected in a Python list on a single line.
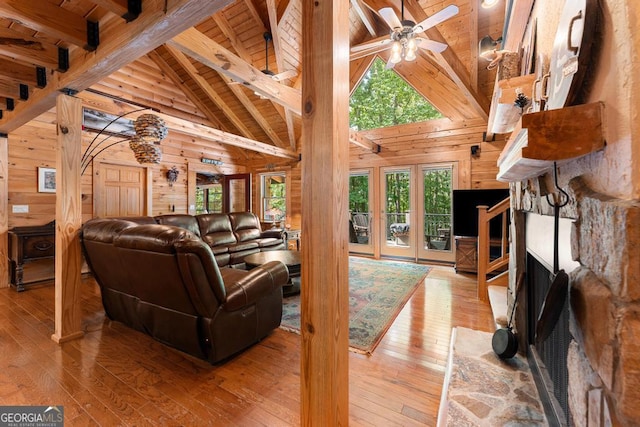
[(548, 359)]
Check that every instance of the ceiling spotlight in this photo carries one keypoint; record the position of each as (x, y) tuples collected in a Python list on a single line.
[(486, 4), (487, 47)]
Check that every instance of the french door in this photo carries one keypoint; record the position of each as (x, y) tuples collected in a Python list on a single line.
[(435, 189), (398, 220), (361, 221), (416, 212)]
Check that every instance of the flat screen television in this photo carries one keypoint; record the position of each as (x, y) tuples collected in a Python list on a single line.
[(465, 212)]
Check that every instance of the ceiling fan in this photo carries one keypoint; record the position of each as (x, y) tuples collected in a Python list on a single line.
[(404, 39), (280, 76)]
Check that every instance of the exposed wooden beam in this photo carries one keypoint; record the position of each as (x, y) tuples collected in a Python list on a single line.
[(240, 94), (253, 11), (28, 49), (18, 72), (450, 63), (129, 10), (179, 82), (253, 110), (200, 133), (118, 7), (362, 141), (222, 23), (366, 16), (207, 51), (357, 70), (473, 45), (209, 91), (215, 135), (68, 258), (367, 52), (324, 314), (447, 59), (121, 44), (275, 33), (11, 89), (283, 9), (49, 19)]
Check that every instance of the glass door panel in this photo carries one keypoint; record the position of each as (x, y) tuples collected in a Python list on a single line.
[(360, 209), (398, 224), (436, 241)]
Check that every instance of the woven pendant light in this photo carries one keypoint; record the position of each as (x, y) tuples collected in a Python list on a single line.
[(150, 131), (145, 152), (150, 127)]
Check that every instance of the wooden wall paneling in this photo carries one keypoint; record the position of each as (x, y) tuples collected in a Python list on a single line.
[(68, 260), (4, 211), (464, 174), (324, 373)]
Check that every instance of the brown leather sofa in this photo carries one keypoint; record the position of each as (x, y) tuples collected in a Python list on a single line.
[(163, 280), (231, 236)]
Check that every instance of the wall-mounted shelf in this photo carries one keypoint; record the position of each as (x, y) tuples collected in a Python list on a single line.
[(517, 14), (541, 138), (507, 113)]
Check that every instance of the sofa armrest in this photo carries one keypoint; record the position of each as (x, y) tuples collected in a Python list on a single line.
[(256, 283), (277, 234)]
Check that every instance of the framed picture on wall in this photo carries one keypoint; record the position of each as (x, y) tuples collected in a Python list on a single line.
[(46, 180)]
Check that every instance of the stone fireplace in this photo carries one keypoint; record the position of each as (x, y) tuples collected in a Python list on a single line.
[(599, 363)]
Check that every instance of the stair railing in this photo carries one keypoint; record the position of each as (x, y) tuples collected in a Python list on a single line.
[(486, 265)]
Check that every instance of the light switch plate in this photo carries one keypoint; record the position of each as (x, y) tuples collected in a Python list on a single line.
[(20, 209)]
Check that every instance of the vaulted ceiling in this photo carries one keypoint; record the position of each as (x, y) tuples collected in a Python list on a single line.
[(201, 60)]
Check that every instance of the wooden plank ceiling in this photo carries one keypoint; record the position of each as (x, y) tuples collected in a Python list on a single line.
[(211, 73)]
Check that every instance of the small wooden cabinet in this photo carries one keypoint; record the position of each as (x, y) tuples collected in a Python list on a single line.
[(28, 244), (292, 236), (466, 254)]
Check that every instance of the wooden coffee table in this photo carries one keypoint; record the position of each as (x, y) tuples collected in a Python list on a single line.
[(289, 258)]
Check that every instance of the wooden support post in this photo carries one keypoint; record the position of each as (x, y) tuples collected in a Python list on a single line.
[(68, 219), (4, 211), (325, 172), (483, 252)]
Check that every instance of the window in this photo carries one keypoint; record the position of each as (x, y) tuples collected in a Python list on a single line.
[(383, 98), (208, 194), (273, 196)]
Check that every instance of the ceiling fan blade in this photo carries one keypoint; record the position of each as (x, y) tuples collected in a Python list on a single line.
[(430, 44), (390, 17), (284, 75), (390, 65), (370, 45), (436, 18)]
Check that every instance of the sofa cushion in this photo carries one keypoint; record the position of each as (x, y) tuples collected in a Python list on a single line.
[(269, 242), (188, 222), (215, 230), (245, 226)]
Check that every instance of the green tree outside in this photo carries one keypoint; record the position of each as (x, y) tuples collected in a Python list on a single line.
[(384, 99)]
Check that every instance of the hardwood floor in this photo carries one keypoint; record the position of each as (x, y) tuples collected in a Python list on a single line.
[(117, 376)]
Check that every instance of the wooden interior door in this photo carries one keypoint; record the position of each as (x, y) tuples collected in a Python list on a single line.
[(121, 191), (237, 193)]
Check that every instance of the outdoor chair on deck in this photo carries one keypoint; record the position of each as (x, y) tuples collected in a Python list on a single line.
[(361, 224)]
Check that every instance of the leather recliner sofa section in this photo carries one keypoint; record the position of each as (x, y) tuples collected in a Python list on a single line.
[(164, 280), (231, 236)]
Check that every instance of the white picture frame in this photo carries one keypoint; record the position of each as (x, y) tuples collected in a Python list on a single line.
[(46, 180)]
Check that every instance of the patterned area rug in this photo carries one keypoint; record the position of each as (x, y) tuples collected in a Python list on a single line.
[(377, 292)]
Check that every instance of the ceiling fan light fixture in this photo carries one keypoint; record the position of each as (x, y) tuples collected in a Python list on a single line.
[(411, 44), (410, 55)]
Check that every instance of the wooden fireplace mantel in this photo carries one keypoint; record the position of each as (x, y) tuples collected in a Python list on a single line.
[(542, 138)]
